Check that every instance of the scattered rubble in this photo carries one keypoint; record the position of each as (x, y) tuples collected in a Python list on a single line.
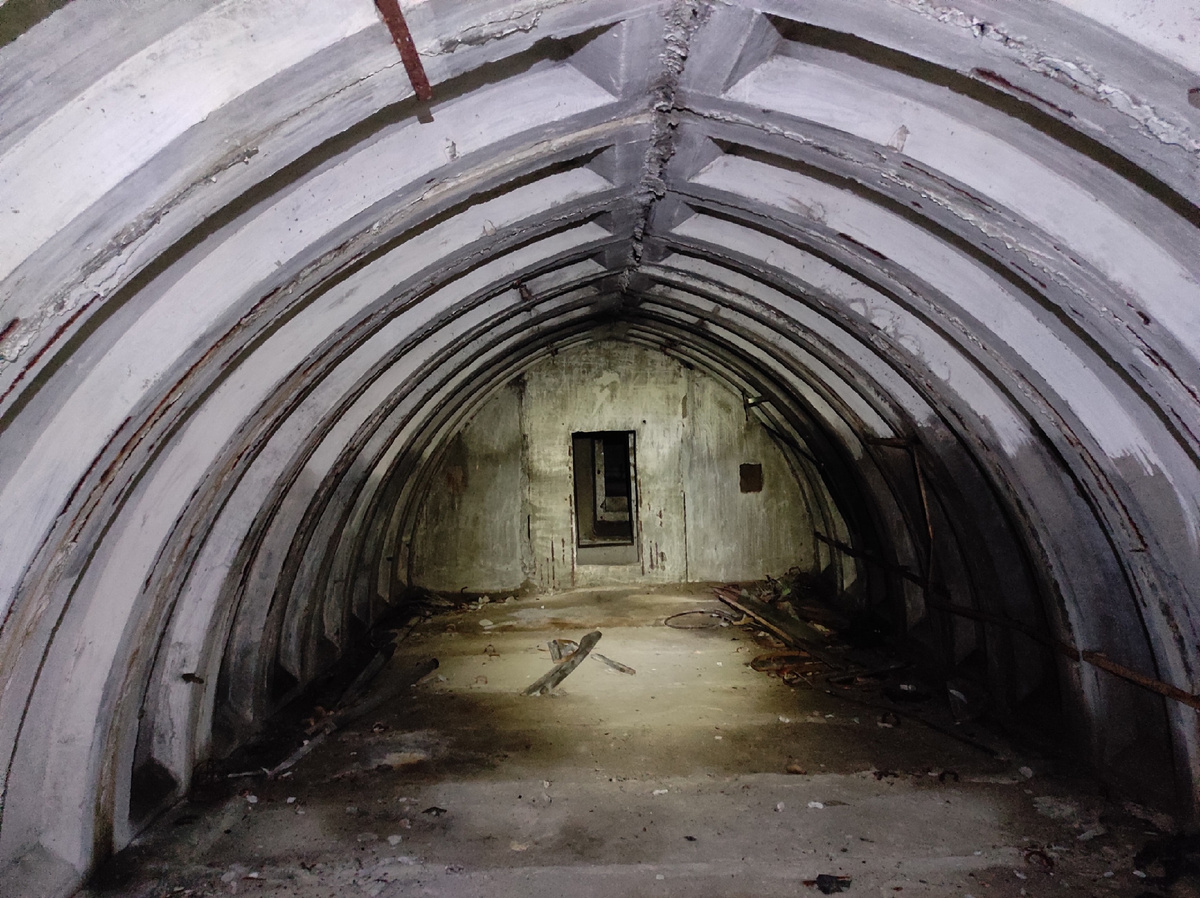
[(828, 884)]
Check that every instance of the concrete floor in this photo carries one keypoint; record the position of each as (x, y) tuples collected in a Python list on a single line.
[(672, 781)]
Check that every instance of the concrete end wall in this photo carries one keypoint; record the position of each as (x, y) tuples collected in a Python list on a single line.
[(499, 511)]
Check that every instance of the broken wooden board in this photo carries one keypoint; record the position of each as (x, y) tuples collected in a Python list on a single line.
[(562, 649), (563, 670), (793, 632), (615, 665)]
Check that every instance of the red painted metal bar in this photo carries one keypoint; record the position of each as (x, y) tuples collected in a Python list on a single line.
[(394, 19)]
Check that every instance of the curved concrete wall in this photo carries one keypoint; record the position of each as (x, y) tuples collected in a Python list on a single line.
[(249, 286)]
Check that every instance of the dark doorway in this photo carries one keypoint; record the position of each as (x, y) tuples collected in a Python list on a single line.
[(605, 488)]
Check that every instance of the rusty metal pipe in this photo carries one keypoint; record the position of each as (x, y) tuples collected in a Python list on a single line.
[(394, 19)]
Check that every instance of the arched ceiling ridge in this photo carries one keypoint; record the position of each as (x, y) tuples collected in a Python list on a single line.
[(250, 286)]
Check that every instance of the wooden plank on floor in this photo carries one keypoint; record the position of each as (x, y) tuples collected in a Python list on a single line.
[(794, 632)]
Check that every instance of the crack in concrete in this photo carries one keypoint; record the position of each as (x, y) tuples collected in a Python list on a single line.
[(1084, 79), (683, 21), (492, 30), (1078, 76), (1039, 260), (105, 272)]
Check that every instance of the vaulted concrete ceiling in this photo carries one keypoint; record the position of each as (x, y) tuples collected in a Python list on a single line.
[(249, 283)]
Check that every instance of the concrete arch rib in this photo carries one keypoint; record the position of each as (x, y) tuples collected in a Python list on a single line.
[(243, 313)]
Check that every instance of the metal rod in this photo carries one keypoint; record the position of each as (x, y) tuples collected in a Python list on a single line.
[(847, 549), (1164, 689), (1096, 659), (394, 19)]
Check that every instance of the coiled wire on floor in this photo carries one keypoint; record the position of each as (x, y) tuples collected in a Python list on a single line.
[(703, 619)]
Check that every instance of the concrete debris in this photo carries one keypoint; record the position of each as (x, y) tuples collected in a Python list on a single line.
[(1038, 857), (1160, 821), (1055, 808), (828, 884), (1170, 859)]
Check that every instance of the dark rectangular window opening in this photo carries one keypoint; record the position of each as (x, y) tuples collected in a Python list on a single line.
[(605, 488), (750, 478)]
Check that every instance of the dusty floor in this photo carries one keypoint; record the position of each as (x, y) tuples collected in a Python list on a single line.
[(671, 781)]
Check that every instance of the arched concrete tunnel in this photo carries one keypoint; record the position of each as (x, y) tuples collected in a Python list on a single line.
[(253, 290)]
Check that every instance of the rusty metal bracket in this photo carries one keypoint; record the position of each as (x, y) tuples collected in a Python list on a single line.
[(394, 19)]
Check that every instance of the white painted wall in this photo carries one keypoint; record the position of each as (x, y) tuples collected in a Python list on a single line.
[(497, 515)]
